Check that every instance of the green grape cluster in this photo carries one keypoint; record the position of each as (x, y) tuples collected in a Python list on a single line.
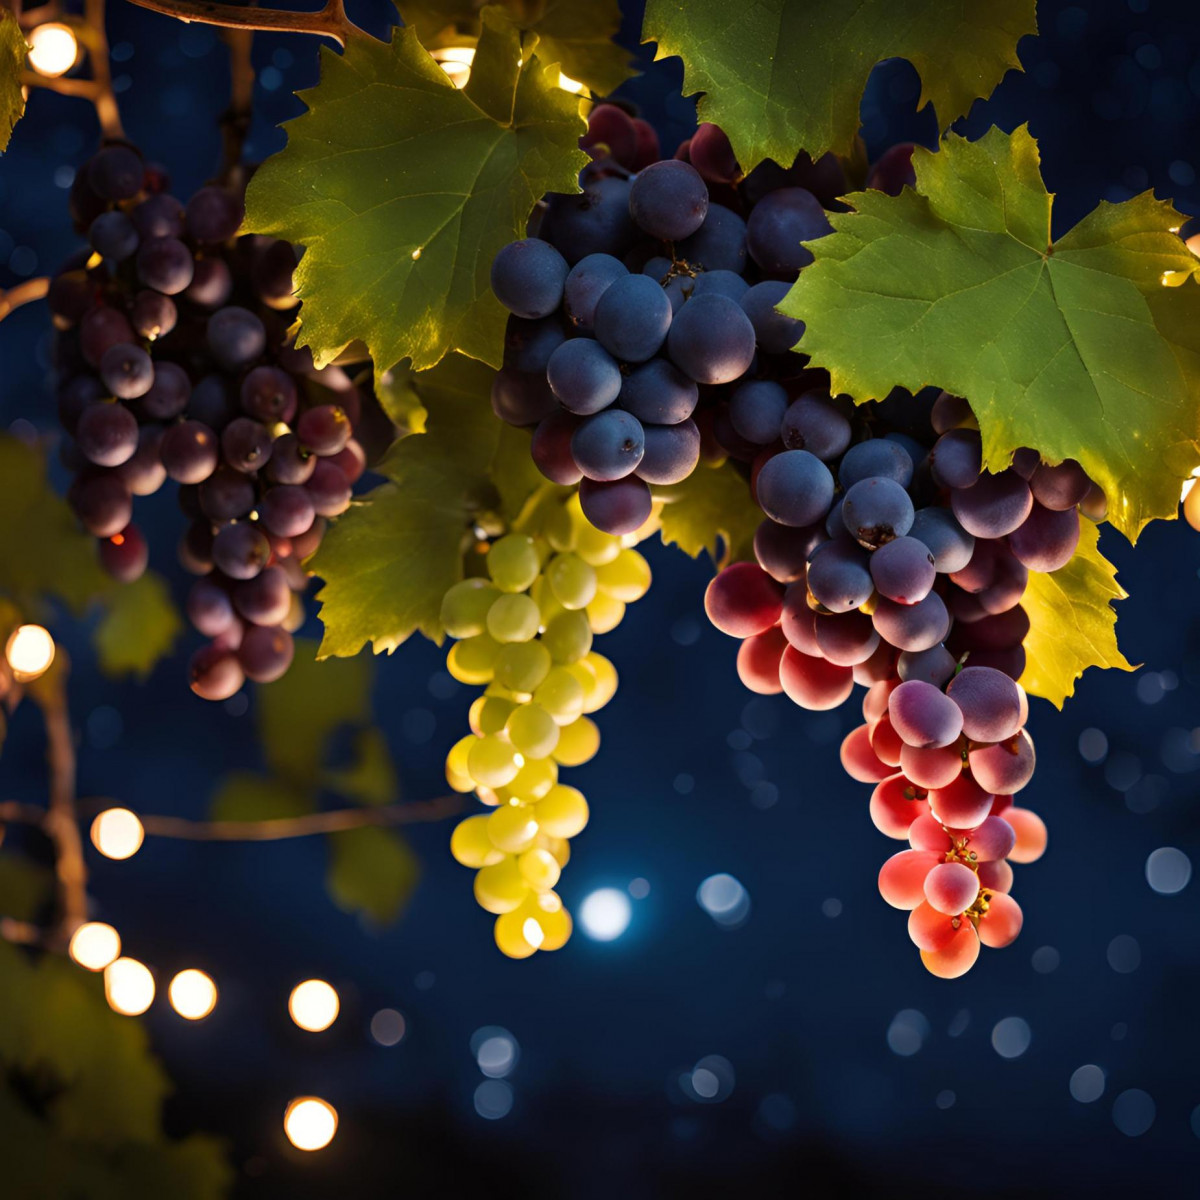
[(525, 631)]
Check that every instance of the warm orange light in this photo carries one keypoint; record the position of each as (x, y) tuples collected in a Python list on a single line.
[(128, 987), (53, 49), (310, 1123), (313, 1005), (192, 994), (30, 651), (94, 945), (117, 833)]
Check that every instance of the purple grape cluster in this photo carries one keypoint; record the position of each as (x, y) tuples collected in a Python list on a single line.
[(643, 311), (175, 362)]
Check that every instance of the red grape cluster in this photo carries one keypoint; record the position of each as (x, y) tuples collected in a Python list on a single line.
[(175, 362)]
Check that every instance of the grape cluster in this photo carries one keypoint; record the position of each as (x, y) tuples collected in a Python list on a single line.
[(890, 558), (644, 333), (525, 631), (175, 363)]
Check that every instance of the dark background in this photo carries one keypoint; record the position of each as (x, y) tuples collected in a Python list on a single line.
[(798, 1000)]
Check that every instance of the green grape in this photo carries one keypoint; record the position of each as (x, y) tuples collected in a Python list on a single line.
[(560, 847), (522, 666), (568, 637), (457, 774), (577, 743), (562, 812), (605, 686), (513, 562), (626, 578), (532, 730), (512, 828), (501, 887), (465, 607), (572, 580), (556, 928), (471, 845), (561, 693), (539, 868), (532, 781), (513, 618), (559, 529), (489, 713), (509, 932), (547, 602), (605, 613), (492, 761), (473, 661), (595, 547)]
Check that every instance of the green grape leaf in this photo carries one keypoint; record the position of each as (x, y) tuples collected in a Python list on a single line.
[(1076, 347), (248, 796), (388, 561), (25, 886), (576, 34), (710, 510), (298, 714), (402, 188), (396, 391), (139, 627), (1072, 625), (781, 76), (371, 777), (372, 871), (12, 62)]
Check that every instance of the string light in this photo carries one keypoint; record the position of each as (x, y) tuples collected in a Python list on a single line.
[(313, 1005), (53, 49), (310, 1123), (94, 945), (117, 833), (29, 652), (128, 987), (192, 994)]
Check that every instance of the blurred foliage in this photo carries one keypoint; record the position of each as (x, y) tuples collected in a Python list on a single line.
[(12, 61), (301, 722)]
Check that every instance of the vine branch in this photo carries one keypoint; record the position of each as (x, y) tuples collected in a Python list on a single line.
[(330, 21), (23, 293)]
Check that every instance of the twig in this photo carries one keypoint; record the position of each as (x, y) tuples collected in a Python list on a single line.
[(21, 933), (292, 827), (235, 121), (23, 293), (330, 21), (95, 40), (13, 812)]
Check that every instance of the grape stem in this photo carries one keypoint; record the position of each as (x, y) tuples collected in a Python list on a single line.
[(23, 293), (330, 21)]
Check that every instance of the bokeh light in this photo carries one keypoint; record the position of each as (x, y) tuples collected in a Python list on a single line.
[(724, 899), (94, 945), (29, 652), (1124, 954), (1087, 1083), (456, 62), (53, 49), (1011, 1037), (192, 994), (128, 987), (605, 914), (314, 1005), (907, 1032), (117, 833), (496, 1051), (1168, 870), (310, 1123), (493, 1099), (1133, 1112), (388, 1027)]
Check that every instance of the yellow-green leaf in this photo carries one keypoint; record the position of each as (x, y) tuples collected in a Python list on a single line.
[(139, 626), (396, 391), (710, 510), (371, 776), (781, 76), (388, 561), (576, 34), (12, 62), (1075, 347), (246, 796), (372, 871), (402, 188), (1072, 625)]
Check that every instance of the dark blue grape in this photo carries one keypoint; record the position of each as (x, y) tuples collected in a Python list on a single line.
[(214, 214), (584, 376), (719, 244), (903, 570), (658, 393), (236, 337), (778, 223), (106, 433), (226, 495), (127, 371), (619, 507), (528, 278), (521, 398), (290, 461), (774, 332), (950, 412), (265, 653), (720, 283), (166, 265), (212, 283), (287, 511), (209, 608), (264, 600), (246, 444), (812, 423), (935, 665), (268, 394), (839, 575), (189, 452), (597, 221), (994, 506), (550, 448), (240, 550), (795, 488), (669, 200), (159, 216), (950, 544), (873, 459), (711, 153), (529, 344), (609, 445), (783, 550), (915, 451), (324, 429), (74, 396), (113, 235), (956, 459), (586, 282), (893, 171), (756, 410), (610, 132), (912, 627), (711, 340), (116, 173), (1059, 487), (102, 503), (214, 672), (1046, 539), (102, 328), (153, 314), (143, 472), (168, 395), (877, 510), (272, 274), (671, 452), (632, 318)]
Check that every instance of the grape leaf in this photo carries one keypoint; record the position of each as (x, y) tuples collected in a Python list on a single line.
[(781, 76), (371, 871), (139, 627), (1075, 347), (576, 34), (248, 796), (402, 188), (25, 886), (371, 776), (12, 62), (388, 561), (396, 391), (1072, 625), (712, 503)]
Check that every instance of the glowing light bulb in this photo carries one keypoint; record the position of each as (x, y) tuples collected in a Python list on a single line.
[(314, 1006), (94, 945), (53, 49), (128, 987), (456, 62), (117, 833), (605, 914), (192, 994), (29, 652), (310, 1123)]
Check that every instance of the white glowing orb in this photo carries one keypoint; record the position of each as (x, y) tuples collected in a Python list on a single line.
[(94, 945), (29, 652), (128, 987), (310, 1123), (117, 833), (313, 1005), (53, 49), (192, 994), (605, 914)]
